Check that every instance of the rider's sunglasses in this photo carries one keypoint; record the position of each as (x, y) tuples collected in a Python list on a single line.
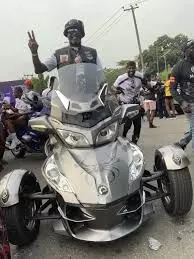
[(73, 31)]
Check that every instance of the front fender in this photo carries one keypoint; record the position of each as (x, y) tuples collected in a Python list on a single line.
[(173, 158), (10, 183)]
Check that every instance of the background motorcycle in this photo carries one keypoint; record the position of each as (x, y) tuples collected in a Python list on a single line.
[(31, 140)]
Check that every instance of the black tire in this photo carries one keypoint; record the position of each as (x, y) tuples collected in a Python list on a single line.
[(19, 152), (16, 217), (179, 185), (18, 233)]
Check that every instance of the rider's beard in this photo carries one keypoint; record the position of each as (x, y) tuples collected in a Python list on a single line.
[(75, 41), (131, 73)]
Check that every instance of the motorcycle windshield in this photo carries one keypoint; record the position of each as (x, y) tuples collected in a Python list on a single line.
[(80, 82), (77, 92)]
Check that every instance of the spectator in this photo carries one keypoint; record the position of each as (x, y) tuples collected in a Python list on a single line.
[(19, 116), (150, 101), (129, 85), (160, 100), (169, 102), (182, 85)]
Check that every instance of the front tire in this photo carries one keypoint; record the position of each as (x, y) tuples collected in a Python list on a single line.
[(22, 229), (178, 185), (19, 232)]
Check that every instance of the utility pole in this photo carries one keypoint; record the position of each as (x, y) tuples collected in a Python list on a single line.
[(165, 62), (132, 9), (157, 61)]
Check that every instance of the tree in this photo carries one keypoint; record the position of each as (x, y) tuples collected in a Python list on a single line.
[(111, 74), (157, 50), (122, 63), (40, 83)]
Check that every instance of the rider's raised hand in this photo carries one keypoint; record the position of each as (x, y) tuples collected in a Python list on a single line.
[(33, 45)]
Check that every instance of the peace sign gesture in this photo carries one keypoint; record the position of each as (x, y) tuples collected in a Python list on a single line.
[(33, 45)]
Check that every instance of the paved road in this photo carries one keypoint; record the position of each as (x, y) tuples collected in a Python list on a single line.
[(176, 236)]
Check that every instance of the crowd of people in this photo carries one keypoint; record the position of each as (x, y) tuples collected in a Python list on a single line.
[(153, 95)]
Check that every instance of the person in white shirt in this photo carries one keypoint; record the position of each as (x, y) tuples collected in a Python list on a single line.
[(129, 85), (19, 116)]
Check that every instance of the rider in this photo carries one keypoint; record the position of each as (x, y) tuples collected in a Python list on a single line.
[(19, 116), (182, 77), (74, 53), (130, 85)]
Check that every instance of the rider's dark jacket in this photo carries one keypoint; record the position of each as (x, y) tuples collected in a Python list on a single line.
[(182, 81), (68, 55)]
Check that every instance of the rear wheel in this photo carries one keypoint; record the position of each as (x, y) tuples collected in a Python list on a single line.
[(22, 228), (177, 185)]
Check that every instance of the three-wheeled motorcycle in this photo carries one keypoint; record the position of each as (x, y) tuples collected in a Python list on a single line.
[(97, 188)]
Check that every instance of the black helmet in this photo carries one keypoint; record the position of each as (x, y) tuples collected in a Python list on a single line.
[(188, 45), (74, 24)]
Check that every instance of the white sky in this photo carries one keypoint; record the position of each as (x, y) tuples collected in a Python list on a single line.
[(47, 19)]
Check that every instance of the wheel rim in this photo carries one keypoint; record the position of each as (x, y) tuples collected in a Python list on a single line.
[(165, 185)]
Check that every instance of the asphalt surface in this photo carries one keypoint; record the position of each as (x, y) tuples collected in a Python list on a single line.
[(176, 236)]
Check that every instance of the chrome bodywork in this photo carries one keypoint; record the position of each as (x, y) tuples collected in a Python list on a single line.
[(174, 158), (89, 170), (102, 181), (107, 224), (11, 183)]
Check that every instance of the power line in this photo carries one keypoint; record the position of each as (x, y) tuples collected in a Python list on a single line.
[(106, 22), (136, 2), (132, 8), (107, 29)]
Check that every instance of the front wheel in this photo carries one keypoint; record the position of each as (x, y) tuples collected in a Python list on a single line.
[(22, 227), (177, 185), (21, 230)]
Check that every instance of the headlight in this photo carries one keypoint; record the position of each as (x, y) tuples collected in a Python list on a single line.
[(73, 139), (137, 162), (55, 178), (107, 134)]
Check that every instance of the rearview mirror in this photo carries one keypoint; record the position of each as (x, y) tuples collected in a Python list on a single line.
[(129, 110), (102, 93), (41, 124)]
